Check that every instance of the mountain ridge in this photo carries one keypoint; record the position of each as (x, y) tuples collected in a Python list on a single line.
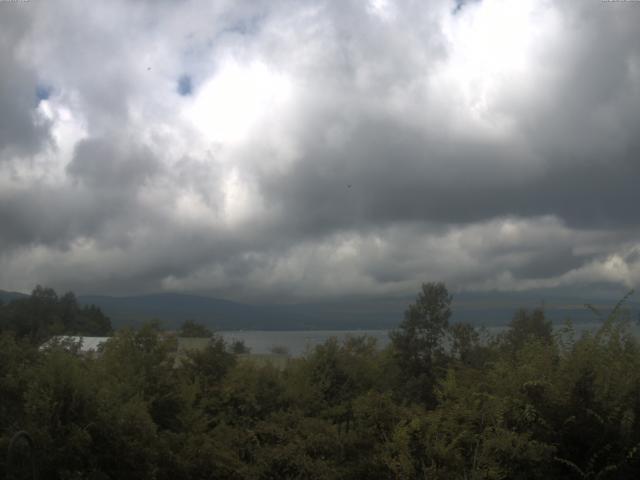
[(349, 313)]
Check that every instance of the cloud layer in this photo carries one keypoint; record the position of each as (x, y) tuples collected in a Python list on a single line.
[(288, 150)]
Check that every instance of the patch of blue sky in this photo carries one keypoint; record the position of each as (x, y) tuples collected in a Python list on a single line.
[(43, 92), (185, 86), (460, 4)]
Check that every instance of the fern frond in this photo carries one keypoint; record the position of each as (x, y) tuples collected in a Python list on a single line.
[(572, 466), (619, 305), (606, 470), (594, 310)]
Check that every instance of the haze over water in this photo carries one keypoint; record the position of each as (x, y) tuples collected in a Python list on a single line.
[(298, 342)]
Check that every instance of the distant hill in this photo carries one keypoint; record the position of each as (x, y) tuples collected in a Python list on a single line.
[(353, 313), (6, 297), (497, 308), (490, 309), (172, 309)]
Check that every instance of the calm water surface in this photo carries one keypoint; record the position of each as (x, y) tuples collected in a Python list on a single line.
[(298, 342)]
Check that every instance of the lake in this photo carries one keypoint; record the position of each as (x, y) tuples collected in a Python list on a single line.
[(297, 342)]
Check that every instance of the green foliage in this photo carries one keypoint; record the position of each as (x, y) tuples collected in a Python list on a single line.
[(418, 342), (238, 347), (209, 366), (529, 404), (279, 350), (467, 346), (189, 328), (526, 327)]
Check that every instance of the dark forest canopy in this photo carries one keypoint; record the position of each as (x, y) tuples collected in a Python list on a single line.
[(439, 402), (44, 313)]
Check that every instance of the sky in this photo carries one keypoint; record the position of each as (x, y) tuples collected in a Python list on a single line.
[(284, 150)]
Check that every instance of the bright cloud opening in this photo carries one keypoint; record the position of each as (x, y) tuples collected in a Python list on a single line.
[(229, 105), (492, 46)]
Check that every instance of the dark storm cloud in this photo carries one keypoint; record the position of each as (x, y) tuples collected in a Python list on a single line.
[(336, 147), (547, 263), (100, 202), (103, 163), (578, 132), (55, 218), (22, 132), (397, 174)]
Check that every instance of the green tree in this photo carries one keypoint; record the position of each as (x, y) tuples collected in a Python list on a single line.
[(466, 346), (526, 327), (418, 342), (190, 328), (209, 366), (44, 314), (238, 347)]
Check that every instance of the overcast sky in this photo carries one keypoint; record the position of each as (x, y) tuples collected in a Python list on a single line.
[(287, 150)]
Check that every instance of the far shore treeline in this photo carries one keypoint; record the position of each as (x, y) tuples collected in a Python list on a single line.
[(439, 402)]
